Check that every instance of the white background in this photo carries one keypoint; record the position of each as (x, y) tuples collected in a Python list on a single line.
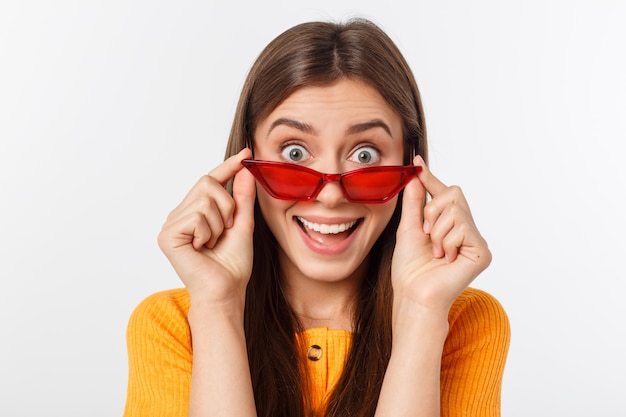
[(111, 110)]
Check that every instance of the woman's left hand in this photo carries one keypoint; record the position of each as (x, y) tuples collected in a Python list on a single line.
[(439, 251)]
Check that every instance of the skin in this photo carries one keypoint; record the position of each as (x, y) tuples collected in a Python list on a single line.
[(208, 240), (330, 127)]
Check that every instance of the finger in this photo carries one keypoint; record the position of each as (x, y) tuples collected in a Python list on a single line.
[(212, 185), (227, 169), (464, 241), (212, 201), (430, 182), (216, 223), (223, 173), (412, 205), (203, 233), (184, 231), (244, 195), (439, 230), (450, 199), (453, 241)]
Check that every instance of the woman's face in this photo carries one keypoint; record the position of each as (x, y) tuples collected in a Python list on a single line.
[(331, 129)]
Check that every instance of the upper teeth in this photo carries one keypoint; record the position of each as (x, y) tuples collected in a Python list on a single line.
[(326, 229)]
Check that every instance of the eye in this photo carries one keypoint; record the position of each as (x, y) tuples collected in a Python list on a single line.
[(294, 153), (365, 155)]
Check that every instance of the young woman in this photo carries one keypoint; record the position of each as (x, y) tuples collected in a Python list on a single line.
[(319, 279)]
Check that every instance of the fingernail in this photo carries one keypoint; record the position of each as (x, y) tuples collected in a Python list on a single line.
[(426, 227), (229, 222)]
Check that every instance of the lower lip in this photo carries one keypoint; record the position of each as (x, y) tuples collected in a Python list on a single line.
[(320, 249)]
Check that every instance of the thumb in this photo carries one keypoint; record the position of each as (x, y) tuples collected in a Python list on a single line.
[(413, 200), (244, 194)]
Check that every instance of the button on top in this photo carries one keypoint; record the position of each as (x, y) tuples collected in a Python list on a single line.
[(314, 353)]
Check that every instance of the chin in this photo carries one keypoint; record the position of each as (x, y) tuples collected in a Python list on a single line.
[(325, 271)]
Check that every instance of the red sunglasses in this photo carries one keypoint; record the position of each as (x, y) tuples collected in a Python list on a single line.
[(287, 181)]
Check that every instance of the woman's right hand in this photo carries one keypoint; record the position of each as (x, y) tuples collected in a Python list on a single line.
[(208, 237)]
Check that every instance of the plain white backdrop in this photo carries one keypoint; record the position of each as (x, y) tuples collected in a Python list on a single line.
[(111, 110)]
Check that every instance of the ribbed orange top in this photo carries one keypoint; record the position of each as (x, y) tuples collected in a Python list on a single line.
[(160, 357)]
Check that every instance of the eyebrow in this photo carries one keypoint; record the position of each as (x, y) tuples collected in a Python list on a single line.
[(307, 128), (303, 127), (362, 127)]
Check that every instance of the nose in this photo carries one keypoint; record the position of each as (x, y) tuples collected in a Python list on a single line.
[(331, 193)]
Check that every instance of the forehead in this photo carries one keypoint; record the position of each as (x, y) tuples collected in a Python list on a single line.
[(343, 102), (343, 90)]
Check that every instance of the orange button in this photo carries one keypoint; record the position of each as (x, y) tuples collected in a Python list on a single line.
[(314, 353)]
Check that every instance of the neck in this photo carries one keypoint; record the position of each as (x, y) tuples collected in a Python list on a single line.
[(335, 316), (322, 303)]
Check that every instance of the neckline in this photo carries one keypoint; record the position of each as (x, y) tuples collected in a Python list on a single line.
[(325, 331)]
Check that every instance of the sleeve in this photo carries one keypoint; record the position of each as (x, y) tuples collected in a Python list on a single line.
[(159, 357), (474, 356)]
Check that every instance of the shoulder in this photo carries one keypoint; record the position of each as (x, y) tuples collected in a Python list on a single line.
[(160, 356), (477, 315), (172, 301), (161, 313), (474, 356), (477, 302)]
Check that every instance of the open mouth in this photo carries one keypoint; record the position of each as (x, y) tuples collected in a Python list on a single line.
[(328, 234)]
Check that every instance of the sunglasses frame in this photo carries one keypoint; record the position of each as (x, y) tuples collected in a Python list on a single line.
[(255, 166)]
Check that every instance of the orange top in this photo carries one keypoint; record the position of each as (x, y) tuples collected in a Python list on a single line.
[(160, 357)]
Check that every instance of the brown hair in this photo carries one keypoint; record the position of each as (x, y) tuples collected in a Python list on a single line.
[(317, 54)]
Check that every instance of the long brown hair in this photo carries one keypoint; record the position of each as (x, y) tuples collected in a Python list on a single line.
[(317, 54)]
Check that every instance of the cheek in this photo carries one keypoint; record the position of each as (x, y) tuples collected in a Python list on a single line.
[(383, 214), (273, 210)]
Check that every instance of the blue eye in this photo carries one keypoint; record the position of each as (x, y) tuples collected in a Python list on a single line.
[(365, 155), (294, 153)]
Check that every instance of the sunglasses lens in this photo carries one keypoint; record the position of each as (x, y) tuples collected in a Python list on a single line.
[(288, 183), (376, 186), (293, 182)]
